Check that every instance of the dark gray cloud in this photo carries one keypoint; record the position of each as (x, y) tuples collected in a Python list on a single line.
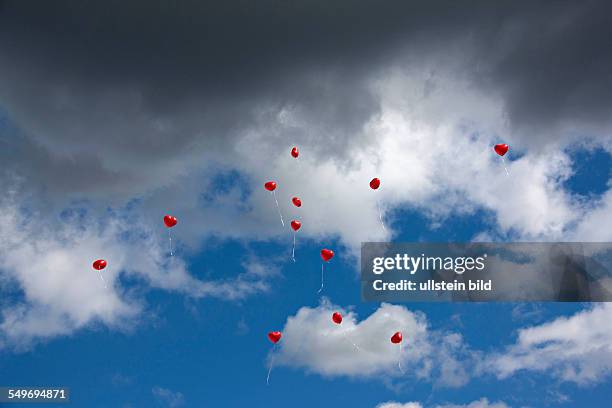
[(123, 93), (553, 65)]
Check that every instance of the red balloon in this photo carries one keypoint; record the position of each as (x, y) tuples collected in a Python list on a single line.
[(396, 338), (296, 201), (375, 183), (270, 185), (275, 336), (170, 221), (295, 224), (99, 264), (295, 152), (337, 318), (501, 149), (327, 254)]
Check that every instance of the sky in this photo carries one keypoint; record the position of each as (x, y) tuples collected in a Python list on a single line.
[(113, 114)]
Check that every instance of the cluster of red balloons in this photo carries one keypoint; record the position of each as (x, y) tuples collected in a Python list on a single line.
[(170, 220), (326, 254)]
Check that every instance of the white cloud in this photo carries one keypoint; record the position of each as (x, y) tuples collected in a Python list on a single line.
[(168, 398), (48, 269), (363, 349), (576, 348), (481, 403), (596, 225)]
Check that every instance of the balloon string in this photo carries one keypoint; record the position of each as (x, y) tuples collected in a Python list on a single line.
[(278, 208), (271, 365), (349, 340), (170, 239), (293, 250), (380, 215), (504, 162), (103, 281), (399, 361), (319, 291)]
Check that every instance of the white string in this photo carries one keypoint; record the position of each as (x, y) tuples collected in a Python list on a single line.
[(278, 208), (380, 215), (319, 291), (504, 162), (170, 238), (103, 281), (271, 364), (399, 361), (293, 251)]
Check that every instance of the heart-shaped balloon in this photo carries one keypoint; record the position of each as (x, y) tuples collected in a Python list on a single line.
[(270, 185), (337, 318), (327, 254), (295, 224), (99, 264), (375, 183), (396, 338), (275, 336), (501, 149), (296, 201), (170, 221), (295, 152)]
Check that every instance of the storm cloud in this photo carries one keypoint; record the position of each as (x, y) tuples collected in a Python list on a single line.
[(108, 93)]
